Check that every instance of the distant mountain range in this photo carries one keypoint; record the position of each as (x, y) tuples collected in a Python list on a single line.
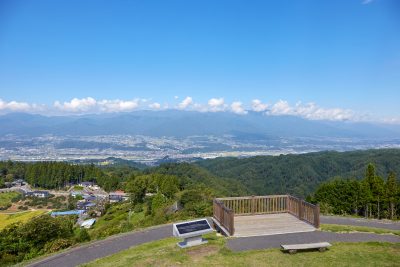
[(186, 123)]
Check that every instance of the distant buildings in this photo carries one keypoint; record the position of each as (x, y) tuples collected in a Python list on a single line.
[(88, 223), (66, 213), (83, 205), (118, 196), (39, 194), (74, 194), (18, 182), (86, 184)]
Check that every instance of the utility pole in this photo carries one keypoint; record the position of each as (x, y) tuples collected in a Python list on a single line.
[(129, 215)]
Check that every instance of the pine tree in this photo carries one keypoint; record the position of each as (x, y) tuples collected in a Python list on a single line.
[(391, 192)]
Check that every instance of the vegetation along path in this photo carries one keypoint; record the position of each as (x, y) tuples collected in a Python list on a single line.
[(109, 246)]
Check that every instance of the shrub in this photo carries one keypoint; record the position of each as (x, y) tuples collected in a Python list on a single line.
[(82, 235), (57, 245)]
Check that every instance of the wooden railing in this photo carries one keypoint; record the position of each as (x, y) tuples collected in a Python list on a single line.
[(226, 208), (303, 210), (256, 204), (224, 216)]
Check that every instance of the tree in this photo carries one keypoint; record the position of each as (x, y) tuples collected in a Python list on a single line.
[(391, 192), (157, 202), (169, 185), (370, 174), (377, 189), (137, 188), (45, 228)]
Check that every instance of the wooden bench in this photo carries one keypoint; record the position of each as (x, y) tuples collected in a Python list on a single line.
[(293, 248)]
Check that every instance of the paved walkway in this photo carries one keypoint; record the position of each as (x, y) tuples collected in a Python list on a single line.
[(385, 224), (103, 248), (112, 245), (274, 241)]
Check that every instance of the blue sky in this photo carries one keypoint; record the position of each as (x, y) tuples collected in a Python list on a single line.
[(342, 54)]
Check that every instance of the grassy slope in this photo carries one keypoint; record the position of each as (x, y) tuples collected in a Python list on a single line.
[(5, 198), (166, 253), (115, 221), (350, 228), (7, 219)]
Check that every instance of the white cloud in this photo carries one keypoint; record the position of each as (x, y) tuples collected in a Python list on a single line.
[(237, 108), (185, 103), (311, 111), (258, 106), (216, 104), (118, 105), (281, 108), (155, 105), (76, 105), (17, 106), (392, 120), (90, 104)]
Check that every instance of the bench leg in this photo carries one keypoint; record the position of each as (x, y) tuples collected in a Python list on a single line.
[(292, 251), (322, 249)]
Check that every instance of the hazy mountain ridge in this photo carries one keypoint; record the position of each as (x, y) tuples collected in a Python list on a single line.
[(186, 123)]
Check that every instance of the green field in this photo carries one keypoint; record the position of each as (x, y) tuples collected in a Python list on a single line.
[(166, 253), (350, 228), (7, 219), (6, 198)]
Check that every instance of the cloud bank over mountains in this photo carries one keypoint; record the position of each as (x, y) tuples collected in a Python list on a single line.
[(90, 105)]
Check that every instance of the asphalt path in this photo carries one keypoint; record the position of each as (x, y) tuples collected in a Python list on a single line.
[(103, 248), (275, 241), (384, 224), (99, 249)]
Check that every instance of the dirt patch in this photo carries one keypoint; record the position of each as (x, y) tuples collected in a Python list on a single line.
[(200, 252)]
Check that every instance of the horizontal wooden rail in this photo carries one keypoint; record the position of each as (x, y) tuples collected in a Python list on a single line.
[(256, 204)]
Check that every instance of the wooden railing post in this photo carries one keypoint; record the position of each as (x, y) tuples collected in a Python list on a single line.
[(287, 203), (252, 205), (301, 209), (316, 216), (231, 226)]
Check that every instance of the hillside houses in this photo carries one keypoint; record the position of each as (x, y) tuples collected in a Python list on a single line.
[(38, 193), (118, 196)]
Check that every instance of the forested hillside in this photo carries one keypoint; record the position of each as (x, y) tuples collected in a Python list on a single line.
[(191, 174), (301, 174), (56, 174), (373, 196), (295, 174)]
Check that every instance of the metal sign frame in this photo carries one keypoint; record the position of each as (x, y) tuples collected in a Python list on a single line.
[(193, 238)]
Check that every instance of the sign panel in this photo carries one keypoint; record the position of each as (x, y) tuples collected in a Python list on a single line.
[(193, 226), (191, 232)]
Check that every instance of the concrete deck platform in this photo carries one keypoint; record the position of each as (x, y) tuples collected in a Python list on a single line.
[(269, 224)]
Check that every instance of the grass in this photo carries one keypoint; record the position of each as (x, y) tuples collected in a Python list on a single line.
[(6, 198), (350, 228), (78, 188), (7, 219), (166, 253)]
